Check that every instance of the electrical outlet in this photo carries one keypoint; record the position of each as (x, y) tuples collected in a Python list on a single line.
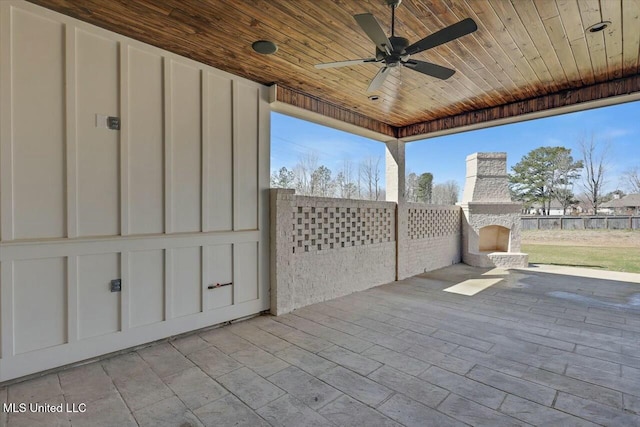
[(113, 123), (116, 285)]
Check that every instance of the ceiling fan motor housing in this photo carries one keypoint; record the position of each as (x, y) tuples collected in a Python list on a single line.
[(398, 43)]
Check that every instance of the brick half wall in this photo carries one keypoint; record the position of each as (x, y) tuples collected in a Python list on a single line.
[(431, 238), (325, 248)]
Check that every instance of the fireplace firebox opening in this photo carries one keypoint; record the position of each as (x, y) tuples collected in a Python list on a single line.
[(493, 238)]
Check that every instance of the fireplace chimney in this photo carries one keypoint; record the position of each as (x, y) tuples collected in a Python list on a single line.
[(491, 222)]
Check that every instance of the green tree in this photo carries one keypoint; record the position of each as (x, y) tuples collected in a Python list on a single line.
[(566, 198), (425, 187), (283, 178), (544, 174)]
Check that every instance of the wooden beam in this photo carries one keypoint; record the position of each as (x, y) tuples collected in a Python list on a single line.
[(317, 105), (599, 91)]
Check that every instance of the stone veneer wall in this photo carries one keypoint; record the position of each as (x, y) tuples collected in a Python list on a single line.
[(325, 248), (431, 240)]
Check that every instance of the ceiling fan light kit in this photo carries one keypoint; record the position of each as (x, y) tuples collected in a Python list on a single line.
[(394, 51)]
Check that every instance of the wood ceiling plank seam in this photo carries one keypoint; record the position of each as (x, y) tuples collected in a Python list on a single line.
[(572, 23), (465, 56), (447, 16), (492, 48), (631, 36), (546, 9), (611, 11), (493, 20), (557, 36), (563, 51), (511, 21), (490, 19), (532, 22), (590, 14)]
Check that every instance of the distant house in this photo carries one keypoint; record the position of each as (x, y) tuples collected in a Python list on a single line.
[(627, 205), (555, 209)]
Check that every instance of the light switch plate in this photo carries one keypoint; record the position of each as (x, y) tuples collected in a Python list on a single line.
[(101, 121)]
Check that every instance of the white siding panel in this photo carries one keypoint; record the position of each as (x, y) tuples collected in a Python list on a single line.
[(186, 147), (220, 270), (146, 287), (40, 301), (245, 268), (146, 156), (187, 286), (98, 307), (246, 161), (246, 210), (220, 153), (98, 151), (38, 98), (188, 161)]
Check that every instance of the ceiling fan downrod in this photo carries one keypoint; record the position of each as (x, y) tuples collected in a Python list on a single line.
[(393, 4)]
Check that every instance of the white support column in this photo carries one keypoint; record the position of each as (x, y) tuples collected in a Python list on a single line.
[(395, 171), (395, 188)]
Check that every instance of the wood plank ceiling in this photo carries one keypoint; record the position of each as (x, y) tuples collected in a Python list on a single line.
[(527, 55)]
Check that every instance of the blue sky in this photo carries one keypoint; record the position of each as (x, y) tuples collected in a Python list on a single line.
[(445, 156)]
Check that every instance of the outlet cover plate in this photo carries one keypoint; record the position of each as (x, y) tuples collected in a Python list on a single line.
[(116, 285)]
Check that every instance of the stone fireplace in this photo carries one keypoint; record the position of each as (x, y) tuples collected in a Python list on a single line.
[(491, 221)]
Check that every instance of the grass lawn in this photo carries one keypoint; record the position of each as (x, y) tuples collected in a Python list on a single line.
[(604, 258)]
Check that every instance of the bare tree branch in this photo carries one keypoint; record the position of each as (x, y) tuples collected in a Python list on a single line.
[(595, 158)]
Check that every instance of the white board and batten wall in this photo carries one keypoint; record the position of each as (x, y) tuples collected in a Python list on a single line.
[(173, 202)]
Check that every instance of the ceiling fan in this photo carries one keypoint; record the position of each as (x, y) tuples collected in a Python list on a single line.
[(396, 51)]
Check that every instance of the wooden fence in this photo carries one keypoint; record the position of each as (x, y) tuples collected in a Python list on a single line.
[(580, 222)]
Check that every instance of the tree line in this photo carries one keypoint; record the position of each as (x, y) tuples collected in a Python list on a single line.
[(352, 181), (362, 180), (546, 174)]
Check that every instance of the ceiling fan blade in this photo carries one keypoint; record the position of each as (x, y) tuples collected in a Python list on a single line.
[(378, 79), (445, 35), (430, 69), (344, 63), (372, 28)]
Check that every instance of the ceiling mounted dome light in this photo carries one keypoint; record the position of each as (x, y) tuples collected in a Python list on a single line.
[(265, 47), (598, 26)]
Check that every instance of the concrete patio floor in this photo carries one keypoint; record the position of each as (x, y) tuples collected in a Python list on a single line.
[(539, 347)]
